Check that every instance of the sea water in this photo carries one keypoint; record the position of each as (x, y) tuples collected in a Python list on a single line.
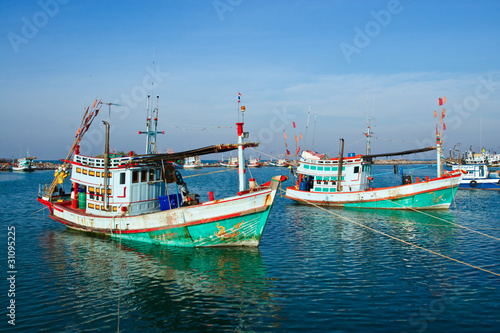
[(314, 271)]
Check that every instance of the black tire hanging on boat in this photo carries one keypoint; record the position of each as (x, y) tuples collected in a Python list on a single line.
[(473, 183), (498, 183), (168, 174)]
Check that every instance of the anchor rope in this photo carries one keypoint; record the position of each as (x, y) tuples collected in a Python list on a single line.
[(444, 220), (399, 239)]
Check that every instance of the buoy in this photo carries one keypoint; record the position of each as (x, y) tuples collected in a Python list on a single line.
[(251, 183), (211, 195)]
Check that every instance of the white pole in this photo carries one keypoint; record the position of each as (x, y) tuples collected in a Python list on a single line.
[(241, 158)]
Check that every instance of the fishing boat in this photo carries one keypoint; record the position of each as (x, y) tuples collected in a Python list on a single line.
[(254, 163), (193, 162), (24, 164), (478, 177), (280, 162), (346, 182), (143, 198), (484, 157), (231, 162)]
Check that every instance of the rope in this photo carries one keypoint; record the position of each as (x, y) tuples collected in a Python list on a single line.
[(399, 240), (441, 219), (261, 152), (209, 173)]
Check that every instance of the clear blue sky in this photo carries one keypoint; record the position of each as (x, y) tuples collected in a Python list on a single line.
[(344, 58)]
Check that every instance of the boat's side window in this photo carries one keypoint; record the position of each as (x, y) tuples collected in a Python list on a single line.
[(356, 169), (158, 174), (135, 176), (144, 175), (122, 178), (151, 175)]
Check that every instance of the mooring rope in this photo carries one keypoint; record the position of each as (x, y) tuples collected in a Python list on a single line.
[(398, 239), (441, 219)]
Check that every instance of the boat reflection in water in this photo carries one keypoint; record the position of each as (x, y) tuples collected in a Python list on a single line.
[(157, 287)]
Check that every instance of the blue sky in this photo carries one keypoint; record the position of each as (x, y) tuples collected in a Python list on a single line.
[(344, 58)]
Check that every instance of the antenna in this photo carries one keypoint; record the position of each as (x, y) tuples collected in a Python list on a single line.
[(307, 125), (314, 131)]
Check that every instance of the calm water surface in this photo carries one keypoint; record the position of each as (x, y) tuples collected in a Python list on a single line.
[(313, 272)]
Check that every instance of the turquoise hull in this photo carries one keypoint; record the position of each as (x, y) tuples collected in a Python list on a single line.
[(428, 200), (235, 231)]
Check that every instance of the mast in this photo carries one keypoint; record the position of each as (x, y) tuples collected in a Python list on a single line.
[(106, 164), (307, 125), (440, 127), (314, 131), (151, 128), (341, 161)]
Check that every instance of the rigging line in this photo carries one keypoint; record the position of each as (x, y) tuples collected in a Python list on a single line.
[(376, 137), (119, 275), (260, 152), (441, 219), (399, 239), (209, 173)]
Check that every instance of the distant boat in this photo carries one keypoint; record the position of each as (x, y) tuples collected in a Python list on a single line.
[(231, 162), (254, 163), (484, 157), (193, 162), (24, 164), (280, 162), (478, 177)]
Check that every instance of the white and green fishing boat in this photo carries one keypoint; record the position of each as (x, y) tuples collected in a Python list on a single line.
[(143, 198)]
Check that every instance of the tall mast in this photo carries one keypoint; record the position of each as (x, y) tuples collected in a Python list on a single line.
[(307, 125), (152, 118), (314, 131)]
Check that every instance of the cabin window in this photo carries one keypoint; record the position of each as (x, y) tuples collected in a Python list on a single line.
[(97, 207), (320, 168), (109, 191), (306, 166), (158, 174), (135, 176), (91, 173), (84, 171), (313, 167), (151, 175), (109, 174), (103, 207), (122, 178), (328, 168), (356, 169), (90, 206), (79, 170), (144, 175), (115, 208), (98, 174)]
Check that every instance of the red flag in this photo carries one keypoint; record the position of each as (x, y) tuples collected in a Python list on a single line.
[(435, 114), (287, 152), (444, 99), (284, 134), (298, 150), (440, 101), (437, 133), (443, 114), (444, 126), (296, 140), (293, 124)]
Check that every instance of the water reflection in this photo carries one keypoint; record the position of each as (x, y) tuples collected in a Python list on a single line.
[(158, 287)]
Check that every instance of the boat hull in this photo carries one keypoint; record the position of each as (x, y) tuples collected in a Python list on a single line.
[(234, 221), (490, 184), (434, 194)]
